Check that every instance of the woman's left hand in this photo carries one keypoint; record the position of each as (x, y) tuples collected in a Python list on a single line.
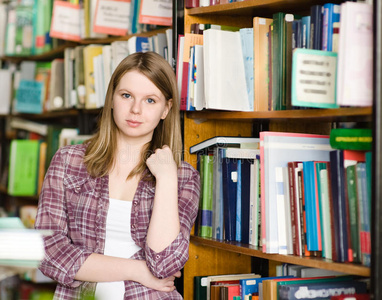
[(161, 163)]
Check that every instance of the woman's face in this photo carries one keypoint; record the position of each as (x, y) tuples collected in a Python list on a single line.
[(138, 106)]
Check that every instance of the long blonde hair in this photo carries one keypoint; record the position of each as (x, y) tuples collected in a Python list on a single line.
[(99, 156)]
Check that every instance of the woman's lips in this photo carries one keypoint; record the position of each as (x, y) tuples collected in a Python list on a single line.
[(132, 123)]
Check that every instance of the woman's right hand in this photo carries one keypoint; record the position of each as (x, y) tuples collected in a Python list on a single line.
[(147, 279)]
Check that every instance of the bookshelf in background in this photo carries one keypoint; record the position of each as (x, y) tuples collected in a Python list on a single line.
[(209, 256)]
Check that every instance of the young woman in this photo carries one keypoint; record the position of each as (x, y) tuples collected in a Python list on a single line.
[(121, 205)]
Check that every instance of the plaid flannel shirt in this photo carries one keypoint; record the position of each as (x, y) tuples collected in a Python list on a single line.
[(74, 206)]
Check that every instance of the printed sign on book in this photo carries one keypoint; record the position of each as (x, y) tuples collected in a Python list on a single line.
[(156, 12), (112, 17), (314, 78), (66, 21)]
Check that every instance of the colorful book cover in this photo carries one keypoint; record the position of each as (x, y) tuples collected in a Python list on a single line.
[(351, 138), (23, 167), (29, 97), (305, 32)]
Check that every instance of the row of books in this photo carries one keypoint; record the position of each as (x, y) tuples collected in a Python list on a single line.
[(295, 194), (31, 152), (27, 27), (79, 80), (320, 284), (284, 62)]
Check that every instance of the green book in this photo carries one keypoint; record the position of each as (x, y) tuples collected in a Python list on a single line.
[(351, 183), (42, 16), (207, 191), (23, 167), (351, 138)]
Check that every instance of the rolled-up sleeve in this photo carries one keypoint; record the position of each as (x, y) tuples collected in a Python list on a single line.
[(62, 259), (173, 258)]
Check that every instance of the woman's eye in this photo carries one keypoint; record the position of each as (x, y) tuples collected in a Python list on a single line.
[(150, 100), (126, 95)]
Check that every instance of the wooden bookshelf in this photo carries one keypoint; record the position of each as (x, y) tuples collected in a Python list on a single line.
[(209, 256)]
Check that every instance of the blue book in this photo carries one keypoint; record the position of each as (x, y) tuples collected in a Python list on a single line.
[(297, 34), (238, 202), (246, 37), (245, 183), (364, 213), (229, 167), (313, 230), (331, 15), (337, 177), (305, 32), (316, 27), (29, 97)]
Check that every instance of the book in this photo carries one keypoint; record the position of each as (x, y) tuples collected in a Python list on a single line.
[(205, 229), (338, 204), (316, 12), (224, 73), (331, 15), (138, 44), (247, 44), (23, 43), (112, 17), (20, 247), (222, 141), (57, 85), (190, 40), (41, 26), (276, 150), (228, 278), (66, 21), (200, 288), (90, 52), (298, 291), (23, 167), (351, 138), (155, 13), (355, 55), (261, 68), (6, 88), (230, 174)]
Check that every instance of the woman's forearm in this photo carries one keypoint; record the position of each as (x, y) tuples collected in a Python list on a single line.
[(164, 224), (102, 268)]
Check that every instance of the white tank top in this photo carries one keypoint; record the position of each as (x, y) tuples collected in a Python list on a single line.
[(118, 243)]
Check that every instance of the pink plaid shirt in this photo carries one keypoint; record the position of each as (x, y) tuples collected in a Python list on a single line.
[(74, 206)]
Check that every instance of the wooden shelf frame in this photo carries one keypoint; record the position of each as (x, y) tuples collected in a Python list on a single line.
[(313, 262), (327, 115)]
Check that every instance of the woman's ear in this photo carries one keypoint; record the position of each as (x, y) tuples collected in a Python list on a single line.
[(167, 109)]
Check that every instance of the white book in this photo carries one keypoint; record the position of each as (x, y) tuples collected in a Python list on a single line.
[(169, 46), (119, 50), (280, 211), (225, 85), (355, 55), (247, 35), (179, 71), (3, 27), (325, 212), (254, 204), (241, 153), (199, 99), (107, 65), (160, 44), (6, 90), (70, 92), (18, 123), (222, 141), (288, 221)]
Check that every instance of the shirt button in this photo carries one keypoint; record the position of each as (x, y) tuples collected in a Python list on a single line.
[(77, 189), (135, 202), (157, 257), (132, 226)]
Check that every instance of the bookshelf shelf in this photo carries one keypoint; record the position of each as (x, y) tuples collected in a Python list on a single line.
[(340, 114), (303, 261), (262, 8)]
